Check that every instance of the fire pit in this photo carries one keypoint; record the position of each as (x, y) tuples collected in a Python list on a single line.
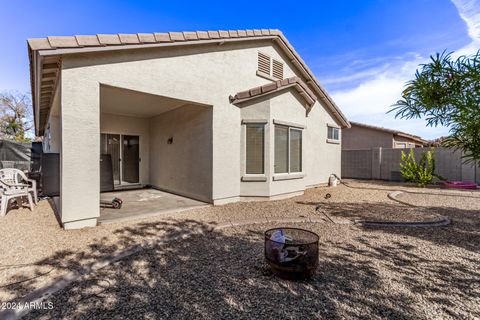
[(292, 253)]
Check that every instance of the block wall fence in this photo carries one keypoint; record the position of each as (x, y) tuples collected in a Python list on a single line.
[(384, 164)]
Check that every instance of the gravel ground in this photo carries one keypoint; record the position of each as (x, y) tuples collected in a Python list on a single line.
[(370, 274), (402, 266)]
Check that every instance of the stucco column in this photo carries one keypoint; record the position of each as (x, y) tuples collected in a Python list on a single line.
[(80, 166), (376, 163)]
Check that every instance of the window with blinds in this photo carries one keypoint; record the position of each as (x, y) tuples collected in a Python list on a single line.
[(263, 63), (281, 149), (255, 147), (295, 150), (277, 69), (288, 149)]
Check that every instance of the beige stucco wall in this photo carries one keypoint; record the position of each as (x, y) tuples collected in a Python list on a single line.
[(119, 124), (320, 159), (52, 136), (206, 74), (365, 138), (184, 166)]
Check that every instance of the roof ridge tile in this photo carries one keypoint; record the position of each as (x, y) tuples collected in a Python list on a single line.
[(177, 36), (146, 37), (63, 41), (162, 37), (214, 34), (203, 35), (87, 41), (128, 38), (109, 39)]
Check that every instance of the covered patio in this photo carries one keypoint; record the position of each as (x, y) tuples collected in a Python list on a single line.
[(156, 141), (142, 203)]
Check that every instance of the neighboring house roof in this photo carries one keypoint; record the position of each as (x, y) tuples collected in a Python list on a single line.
[(394, 132), (293, 82), (44, 74)]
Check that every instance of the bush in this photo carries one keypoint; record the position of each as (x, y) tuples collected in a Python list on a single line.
[(421, 173)]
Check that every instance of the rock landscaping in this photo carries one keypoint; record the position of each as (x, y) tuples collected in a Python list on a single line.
[(363, 272)]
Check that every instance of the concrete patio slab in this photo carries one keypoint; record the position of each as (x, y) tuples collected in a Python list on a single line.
[(144, 203)]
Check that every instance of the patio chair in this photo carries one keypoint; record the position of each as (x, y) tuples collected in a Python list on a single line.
[(11, 190), (16, 176)]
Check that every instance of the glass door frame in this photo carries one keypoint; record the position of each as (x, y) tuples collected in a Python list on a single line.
[(120, 173)]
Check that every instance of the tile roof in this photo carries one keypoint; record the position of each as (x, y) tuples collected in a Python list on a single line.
[(395, 132), (101, 40), (269, 88), (55, 46)]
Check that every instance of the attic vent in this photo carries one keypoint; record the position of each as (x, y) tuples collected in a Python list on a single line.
[(277, 69), (263, 63)]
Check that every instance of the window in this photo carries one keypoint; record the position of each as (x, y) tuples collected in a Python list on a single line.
[(288, 149), (281, 149), (333, 133), (255, 147), (270, 68), (295, 150)]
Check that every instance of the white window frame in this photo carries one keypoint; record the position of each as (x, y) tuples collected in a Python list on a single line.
[(290, 129), (330, 140), (289, 174), (254, 177)]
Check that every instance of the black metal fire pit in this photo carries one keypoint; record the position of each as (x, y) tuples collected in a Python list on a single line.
[(292, 253)]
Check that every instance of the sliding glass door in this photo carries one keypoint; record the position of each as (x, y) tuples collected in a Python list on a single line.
[(130, 159), (124, 151), (110, 144)]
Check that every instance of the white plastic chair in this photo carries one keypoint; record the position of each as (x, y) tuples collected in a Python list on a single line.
[(11, 188), (16, 176)]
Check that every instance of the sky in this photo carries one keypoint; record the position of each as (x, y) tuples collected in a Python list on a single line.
[(363, 52)]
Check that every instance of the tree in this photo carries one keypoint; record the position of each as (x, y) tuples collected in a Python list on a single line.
[(15, 116), (446, 92)]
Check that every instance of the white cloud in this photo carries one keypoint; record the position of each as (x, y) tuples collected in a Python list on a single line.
[(469, 11), (376, 94), (369, 100), (353, 76)]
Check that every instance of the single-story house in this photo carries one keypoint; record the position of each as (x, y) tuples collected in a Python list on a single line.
[(217, 116), (365, 136)]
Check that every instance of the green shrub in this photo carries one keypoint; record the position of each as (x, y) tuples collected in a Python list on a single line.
[(422, 172)]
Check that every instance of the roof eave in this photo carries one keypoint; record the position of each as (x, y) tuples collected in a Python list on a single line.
[(411, 137), (32, 57)]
